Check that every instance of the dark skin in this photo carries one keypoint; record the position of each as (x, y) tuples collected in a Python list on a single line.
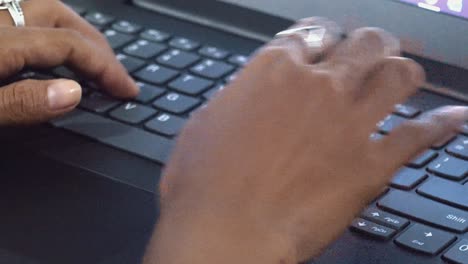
[(287, 151)]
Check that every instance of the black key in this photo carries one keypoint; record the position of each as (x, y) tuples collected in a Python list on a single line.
[(231, 78), (34, 76), (390, 123), (118, 135), (64, 72), (148, 92), (239, 60), (385, 218), (184, 44), (132, 113), (423, 209), (213, 52), (459, 147), (211, 93), (98, 103), (178, 59), (176, 103), (369, 228), (130, 63), (449, 167), (459, 253), (425, 239), (155, 35), (144, 49), (126, 27), (465, 129), (190, 84), (406, 111), (443, 143), (156, 74), (99, 19), (77, 9), (407, 178), (423, 159), (117, 39), (376, 136), (446, 191), (212, 69), (166, 124)]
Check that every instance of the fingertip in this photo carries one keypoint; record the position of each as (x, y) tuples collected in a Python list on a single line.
[(63, 94)]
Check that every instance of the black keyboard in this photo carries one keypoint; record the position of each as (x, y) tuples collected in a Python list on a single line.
[(424, 211)]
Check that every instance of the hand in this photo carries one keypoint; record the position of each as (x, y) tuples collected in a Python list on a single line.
[(54, 35), (279, 164)]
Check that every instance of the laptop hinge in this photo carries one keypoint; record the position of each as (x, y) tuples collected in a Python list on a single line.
[(163, 9)]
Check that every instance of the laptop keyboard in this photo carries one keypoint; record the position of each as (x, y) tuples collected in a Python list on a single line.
[(425, 210)]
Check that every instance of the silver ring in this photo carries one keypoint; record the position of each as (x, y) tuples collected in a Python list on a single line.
[(314, 36), (15, 10)]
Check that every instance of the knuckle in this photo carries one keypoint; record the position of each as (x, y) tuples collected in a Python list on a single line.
[(275, 53), (19, 102)]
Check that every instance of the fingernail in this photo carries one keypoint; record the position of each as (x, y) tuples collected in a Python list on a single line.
[(63, 94)]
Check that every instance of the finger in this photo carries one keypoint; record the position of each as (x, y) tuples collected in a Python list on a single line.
[(45, 47), (413, 137), (327, 39), (392, 82), (353, 58), (32, 101)]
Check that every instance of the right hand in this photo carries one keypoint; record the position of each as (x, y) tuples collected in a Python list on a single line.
[(278, 165), (54, 35)]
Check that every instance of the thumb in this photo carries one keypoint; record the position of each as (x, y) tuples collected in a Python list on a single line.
[(33, 101)]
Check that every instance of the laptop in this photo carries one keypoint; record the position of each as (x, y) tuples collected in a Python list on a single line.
[(83, 188)]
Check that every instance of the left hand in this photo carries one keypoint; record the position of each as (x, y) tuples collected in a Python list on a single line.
[(54, 35)]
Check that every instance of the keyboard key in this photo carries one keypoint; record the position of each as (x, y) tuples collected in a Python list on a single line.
[(166, 124), (155, 35), (176, 103), (212, 69), (144, 49), (130, 63), (211, 93), (425, 239), (190, 84), (366, 227), (390, 123), (239, 60), (459, 253), (132, 113), (178, 59), (406, 111), (99, 19), (408, 178), (449, 167), (464, 129), (118, 135), (184, 44), (156, 74), (64, 72), (148, 92), (459, 148), (231, 78), (117, 39), (99, 103), (126, 27), (34, 76), (213, 52), (423, 209), (443, 143), (386, 219), (423, 159), (448, 192)]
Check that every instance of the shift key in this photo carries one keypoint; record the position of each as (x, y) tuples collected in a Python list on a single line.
[(414, 206)]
